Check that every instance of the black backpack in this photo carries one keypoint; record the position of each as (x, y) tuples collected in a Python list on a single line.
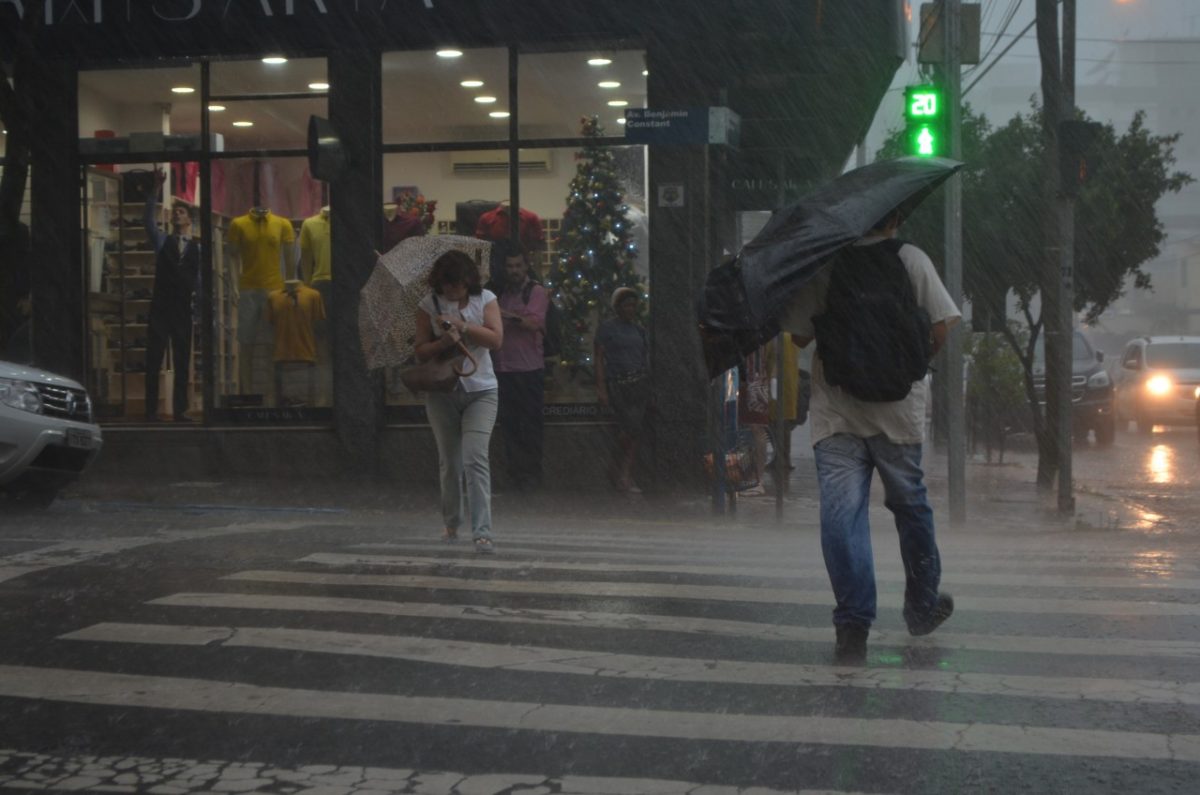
[(873, 339), (552, 330)]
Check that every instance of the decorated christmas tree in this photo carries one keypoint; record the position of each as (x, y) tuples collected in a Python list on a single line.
[(595, 247)]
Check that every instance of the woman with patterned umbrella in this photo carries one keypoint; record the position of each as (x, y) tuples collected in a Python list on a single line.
[(450, 306)]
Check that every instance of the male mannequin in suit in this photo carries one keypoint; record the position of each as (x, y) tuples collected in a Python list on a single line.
[(176, 270)]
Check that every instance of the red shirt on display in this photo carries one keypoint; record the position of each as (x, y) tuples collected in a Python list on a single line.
[(401, 227), (493, 225)]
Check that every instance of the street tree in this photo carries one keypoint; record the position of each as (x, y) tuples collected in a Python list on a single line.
[(1005, 204)]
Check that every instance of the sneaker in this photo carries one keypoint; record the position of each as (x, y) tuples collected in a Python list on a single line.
[(941, 611), (851, 645)]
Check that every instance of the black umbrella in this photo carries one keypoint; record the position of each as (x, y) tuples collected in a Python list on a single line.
[(743, 298)]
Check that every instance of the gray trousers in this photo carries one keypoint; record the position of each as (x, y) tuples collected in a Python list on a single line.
[(462, 425)]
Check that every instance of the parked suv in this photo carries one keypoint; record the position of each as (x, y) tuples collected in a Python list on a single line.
[(1092, 406), (1157, 381), (47, 437)]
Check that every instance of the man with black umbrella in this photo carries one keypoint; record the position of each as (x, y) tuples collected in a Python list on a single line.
[(878, 314)]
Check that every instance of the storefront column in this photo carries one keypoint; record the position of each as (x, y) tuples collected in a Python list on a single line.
[(57, 261), (686, 241), (354, 111)]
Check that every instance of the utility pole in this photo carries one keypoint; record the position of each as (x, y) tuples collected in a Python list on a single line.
[(1066, 289), (956, 452), (1058, 280)]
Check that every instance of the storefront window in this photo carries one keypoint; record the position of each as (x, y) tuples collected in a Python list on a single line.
[(139, 110), (271, 280), (557, 89), (440, 97), (143, 337), (597, 239), (265, 103), (461, 185)]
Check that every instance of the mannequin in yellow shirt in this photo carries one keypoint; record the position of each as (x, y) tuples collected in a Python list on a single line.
[(260, 247)]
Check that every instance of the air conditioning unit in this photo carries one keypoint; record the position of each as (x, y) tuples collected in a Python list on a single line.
[(495, 161)]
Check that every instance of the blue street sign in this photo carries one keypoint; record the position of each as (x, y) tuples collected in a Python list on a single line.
[(683, 126)]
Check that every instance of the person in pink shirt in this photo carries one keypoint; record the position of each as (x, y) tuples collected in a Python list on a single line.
[(520, 367)]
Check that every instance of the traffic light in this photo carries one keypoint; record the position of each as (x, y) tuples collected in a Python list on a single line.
[(924, 116), (1078, 159)]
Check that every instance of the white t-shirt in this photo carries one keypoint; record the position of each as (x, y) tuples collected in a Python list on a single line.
[(832, 410), (484, 376)]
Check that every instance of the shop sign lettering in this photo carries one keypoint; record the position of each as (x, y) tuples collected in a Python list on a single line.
[(750, 183), (96, 12)]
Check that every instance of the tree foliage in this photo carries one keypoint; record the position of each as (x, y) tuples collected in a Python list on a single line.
[(1007, 208)]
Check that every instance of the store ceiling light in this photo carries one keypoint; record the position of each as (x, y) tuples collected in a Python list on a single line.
[(609, 84), (618, 103), (319, 86), (216, 108), (448, 53), (243, 124), (499, 114), (182, 90), (599, 61), (274, 60), (485, 100), (471, 84), (646, 72)]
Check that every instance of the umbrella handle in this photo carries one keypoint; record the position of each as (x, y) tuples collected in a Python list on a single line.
[(474, 364)]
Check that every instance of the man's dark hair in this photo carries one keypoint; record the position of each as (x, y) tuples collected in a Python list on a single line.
[(506, 249), (455, 267), (187, 207)]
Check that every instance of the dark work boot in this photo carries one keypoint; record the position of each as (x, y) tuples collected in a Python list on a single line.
[(851, 645), (942, 609)]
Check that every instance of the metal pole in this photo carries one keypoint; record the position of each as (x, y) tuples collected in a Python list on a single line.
[(956, 453), (1066, 290)]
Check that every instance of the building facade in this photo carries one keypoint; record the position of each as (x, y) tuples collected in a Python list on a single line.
[(139, 105)]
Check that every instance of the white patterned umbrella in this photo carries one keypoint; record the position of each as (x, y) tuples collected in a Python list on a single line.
[(387, 304)]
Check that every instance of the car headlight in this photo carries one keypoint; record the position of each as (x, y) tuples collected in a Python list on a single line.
[(1159, 386), (20, 395), (1099, 380)]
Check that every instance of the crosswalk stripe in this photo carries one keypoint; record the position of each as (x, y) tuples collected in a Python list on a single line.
[(475, 654), (807, 557), (761, 542), (944, 639), (178, 693), (607, 567), (715, 593)]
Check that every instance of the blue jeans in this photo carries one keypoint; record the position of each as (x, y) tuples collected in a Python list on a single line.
[(462, 425), (844, 469)]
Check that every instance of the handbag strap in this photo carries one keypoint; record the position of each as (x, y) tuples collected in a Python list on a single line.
[(466, 353), (467, 358)]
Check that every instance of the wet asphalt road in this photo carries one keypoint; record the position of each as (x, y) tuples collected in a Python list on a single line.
[(286, 642)]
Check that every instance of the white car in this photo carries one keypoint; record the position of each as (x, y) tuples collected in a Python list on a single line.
[(1158, 382), (47, 437)]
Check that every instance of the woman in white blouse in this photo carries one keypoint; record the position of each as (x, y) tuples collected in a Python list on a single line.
[(458, 308)]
